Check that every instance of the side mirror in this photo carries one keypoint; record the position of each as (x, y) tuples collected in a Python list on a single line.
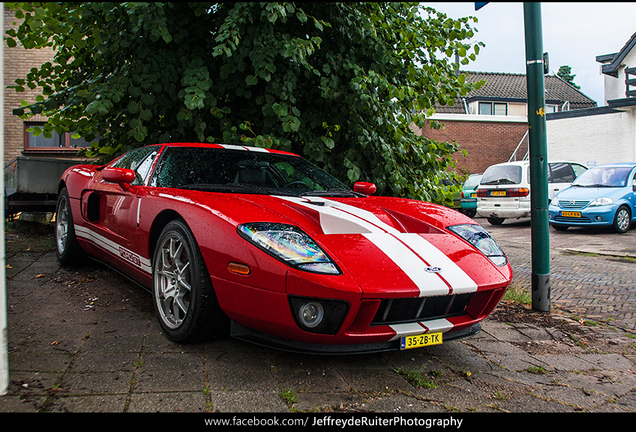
[(122, 176), (364, 188)]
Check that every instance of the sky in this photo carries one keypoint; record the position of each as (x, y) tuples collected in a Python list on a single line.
[(573, 34)]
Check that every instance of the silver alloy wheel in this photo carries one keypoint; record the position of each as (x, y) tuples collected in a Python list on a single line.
[(622, 219), (61, 225), (172, 283)]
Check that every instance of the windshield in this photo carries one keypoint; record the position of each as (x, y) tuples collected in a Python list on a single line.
[(472, 181), (241, 171), (502, 174), (603, 177)]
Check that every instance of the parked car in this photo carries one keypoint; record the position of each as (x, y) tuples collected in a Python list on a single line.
[(603, 195), (504, 189), (469, 195), (264, 246)]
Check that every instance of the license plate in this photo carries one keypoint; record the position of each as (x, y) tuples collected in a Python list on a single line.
[(571, 214), (473, 195), (417, 341), (498, 193)]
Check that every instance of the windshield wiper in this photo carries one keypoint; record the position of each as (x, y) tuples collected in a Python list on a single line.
[(333, 193), (233, 188)]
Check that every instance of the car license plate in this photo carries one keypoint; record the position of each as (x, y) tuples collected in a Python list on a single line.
[(498, 193), (417, 341), (473, 195), (571, 214)]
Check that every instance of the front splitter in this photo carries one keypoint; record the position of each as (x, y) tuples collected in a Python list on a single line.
[(237, 331)]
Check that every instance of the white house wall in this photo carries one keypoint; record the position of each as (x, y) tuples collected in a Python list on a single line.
[(593, 140), (615, 87)]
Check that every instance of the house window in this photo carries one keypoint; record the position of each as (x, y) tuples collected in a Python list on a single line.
[(493, 108), (55, 142), (551, 108)]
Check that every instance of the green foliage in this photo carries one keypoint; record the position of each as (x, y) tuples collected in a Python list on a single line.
[(339, 83), (565, 72)]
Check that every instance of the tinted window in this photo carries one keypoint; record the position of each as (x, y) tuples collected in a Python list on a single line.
[(561, 173), (240, 171)]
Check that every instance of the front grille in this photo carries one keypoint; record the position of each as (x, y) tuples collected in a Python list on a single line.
[(573, 204), (571, 219), (404, 310)]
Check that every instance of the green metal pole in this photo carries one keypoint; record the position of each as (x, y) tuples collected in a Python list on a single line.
[(538, 157)]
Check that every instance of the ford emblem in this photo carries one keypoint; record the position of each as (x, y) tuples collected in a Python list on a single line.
[(432, 269)]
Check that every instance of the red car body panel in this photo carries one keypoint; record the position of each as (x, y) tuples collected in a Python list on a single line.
[(380, 244)]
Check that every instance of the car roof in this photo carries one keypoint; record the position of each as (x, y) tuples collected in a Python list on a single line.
[(225, 146), (616, 165)]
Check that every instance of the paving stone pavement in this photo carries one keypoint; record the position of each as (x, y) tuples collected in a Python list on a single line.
[(85, 340)]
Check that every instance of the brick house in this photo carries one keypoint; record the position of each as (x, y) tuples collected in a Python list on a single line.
[(490, 123), (17, 141)]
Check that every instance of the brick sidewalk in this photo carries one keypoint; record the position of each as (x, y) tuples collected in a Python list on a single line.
[(590, 284)]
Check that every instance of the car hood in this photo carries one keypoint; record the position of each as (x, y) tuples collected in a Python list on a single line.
[(385, 244), (590, 193)]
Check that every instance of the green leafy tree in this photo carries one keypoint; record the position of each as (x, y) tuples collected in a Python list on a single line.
[(565, 73), (339, 83)]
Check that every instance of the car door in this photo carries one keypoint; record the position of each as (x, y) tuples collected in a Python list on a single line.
[(114, 211)]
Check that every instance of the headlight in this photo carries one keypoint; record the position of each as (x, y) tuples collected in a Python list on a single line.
[(601, 202), (290, 245), (479, 237), (555, 201)]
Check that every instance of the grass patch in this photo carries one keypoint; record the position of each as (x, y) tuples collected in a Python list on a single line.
[(518, 295), (418, 378)]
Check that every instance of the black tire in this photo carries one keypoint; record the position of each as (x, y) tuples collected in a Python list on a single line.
[(622, 220), (560, 227), (495, 221), (67, 249), (183, 296)]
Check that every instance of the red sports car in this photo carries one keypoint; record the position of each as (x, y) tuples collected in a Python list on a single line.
[(264, 246)]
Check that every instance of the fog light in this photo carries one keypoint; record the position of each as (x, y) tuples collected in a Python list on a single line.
[(599, 218), (311, 314), (323, 316)]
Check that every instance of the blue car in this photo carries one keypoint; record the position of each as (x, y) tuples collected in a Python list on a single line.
[(602, 195)]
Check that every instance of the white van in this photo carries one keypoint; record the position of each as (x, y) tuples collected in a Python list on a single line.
[(504, 189)]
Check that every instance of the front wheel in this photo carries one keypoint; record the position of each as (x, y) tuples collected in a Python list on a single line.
[(560, 227), (622, 220), (184, 298)]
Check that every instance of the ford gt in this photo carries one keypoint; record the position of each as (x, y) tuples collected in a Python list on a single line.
[(264, 246)]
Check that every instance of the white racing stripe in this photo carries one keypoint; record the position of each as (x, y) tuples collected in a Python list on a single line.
[(411, 264), (247, 148), (114, 248), (409, 329), (449, 270), (410, 251)]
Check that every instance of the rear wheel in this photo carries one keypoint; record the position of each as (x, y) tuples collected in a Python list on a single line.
[(495, 221), (622, 220), (66, 247), (184, 299)]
